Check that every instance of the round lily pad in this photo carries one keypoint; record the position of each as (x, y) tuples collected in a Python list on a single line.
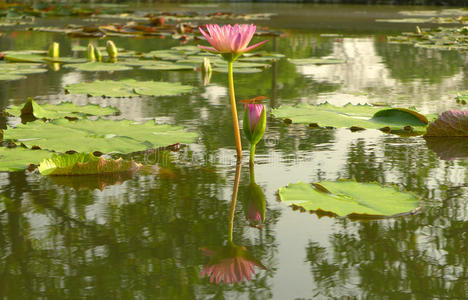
[(18, 159), (345, 198)]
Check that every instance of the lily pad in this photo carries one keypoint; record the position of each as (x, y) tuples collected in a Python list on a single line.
[(345, 198), (239, 70), (84, 164), (364, 116), (157, 65), (128, 88), (27, 58), (106, 136), (65, 60), (165, 55), (14, 71), (316, 61), (18, 159), (49, 111), (450, 123), (99, 66)]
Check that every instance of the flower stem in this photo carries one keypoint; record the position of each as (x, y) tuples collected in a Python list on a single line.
[(234, 199), (252, 155), (235, 120)]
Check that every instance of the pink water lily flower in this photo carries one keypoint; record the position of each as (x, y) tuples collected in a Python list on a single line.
[(230, 39)]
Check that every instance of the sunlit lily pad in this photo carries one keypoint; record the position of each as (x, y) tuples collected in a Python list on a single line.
[(18, 159), (165, 55), (345, 198), (316, 61), (99, 66), (157, 64), (84, 164), (128, 88), (49, 111), (365, 116), (27, 58), (106, 136)]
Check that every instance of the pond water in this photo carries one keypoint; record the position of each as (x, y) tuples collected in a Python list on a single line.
[(145, 236)]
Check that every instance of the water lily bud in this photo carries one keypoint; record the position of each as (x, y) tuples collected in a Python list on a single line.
[(111, 50), (54, 50), (98, 54), (206, 66), (90, 54), (254, 122)]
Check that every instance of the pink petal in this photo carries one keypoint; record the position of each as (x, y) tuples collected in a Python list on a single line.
[(254, 46), (209, 49)]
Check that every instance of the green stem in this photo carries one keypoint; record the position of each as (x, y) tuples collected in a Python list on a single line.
[(234, 199), (252, 155), (235, 120)]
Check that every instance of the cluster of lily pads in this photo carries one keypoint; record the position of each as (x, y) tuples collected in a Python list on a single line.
[(17, 64), (443, 16), (441, 38)]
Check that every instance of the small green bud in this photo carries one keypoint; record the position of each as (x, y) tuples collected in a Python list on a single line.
[(90, 54), (112, 51), (54, 50), (98, 54)]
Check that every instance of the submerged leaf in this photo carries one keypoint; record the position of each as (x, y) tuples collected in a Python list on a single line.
[(344, 198), (84, 164), (449, 123), (50, 111), (128, 88), (106, 136)]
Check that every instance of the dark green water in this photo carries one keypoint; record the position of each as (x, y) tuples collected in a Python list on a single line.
[(142, 237)]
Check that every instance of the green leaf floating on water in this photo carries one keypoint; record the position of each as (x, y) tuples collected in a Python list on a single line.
[(99, 66), (157, 64), (128, 88), (18, 159), (316, 61), (15, 71), (84, 164), (345, 198), (24, 57), (363, 116), (123, 136), (50, 111)]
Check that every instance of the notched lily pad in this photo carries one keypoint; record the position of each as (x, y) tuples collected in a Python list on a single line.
[(350, 198), (106, 136), (128, 88), (50, 111), (84, 164), (359, 116)]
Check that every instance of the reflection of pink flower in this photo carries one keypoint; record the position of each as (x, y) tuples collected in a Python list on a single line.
[(254, 213), (230, 39), (230, 264)]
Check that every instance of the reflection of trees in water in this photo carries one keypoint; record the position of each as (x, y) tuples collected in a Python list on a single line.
[(406, 62), (422, 256), (139, 239)]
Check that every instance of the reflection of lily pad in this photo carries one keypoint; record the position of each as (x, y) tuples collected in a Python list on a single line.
[(84, 164), (106, 136), (49, 111), (99, 66), (345, 198), (316, 61), (91, 182), (18, 159), (365, 116), (128, 88), (448, 148)]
